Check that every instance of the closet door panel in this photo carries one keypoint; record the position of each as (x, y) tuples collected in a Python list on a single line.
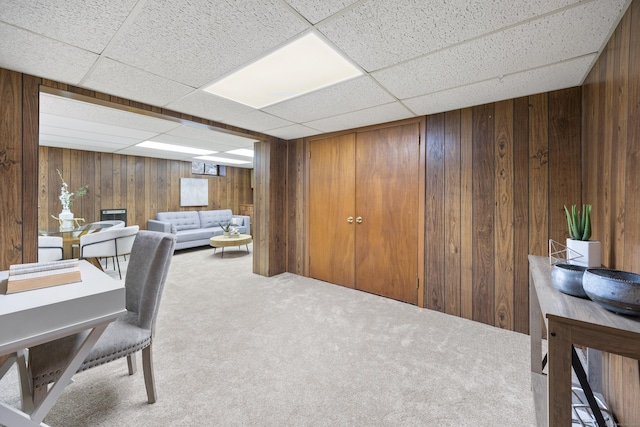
[(387, 183), (331, 203)]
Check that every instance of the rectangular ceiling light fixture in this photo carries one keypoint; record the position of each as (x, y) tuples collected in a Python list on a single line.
[(172, 147), (222, 160), (300, 67)]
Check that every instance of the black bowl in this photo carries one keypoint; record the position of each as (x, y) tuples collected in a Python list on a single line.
[(567, 278), (615, 290)]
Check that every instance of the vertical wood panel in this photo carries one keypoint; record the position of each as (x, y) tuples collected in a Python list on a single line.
[(452, 214), (521, 214), (11, 166), (564, 158), (434, 214), (30, 135), (483, 214), (538, 175), (466, 213), (504, 194)]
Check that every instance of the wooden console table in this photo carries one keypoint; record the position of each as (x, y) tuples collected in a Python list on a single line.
[(569, 321)]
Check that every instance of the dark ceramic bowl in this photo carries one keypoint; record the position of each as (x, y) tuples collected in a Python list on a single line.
[(567, 278), (615, 290)]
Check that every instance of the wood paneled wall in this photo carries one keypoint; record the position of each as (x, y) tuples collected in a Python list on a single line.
[(270, 228), (497, 178), (611, 181), (142, 185), (18, 168)]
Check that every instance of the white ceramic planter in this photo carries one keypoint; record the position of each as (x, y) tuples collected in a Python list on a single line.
[(66, 218), (587, 253)]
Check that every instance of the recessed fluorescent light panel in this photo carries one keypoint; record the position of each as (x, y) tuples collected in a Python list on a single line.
[(241, 152), (222, 160), (305, 65), (171, 147)]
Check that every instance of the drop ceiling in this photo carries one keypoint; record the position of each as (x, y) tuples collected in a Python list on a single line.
[(418, 57)]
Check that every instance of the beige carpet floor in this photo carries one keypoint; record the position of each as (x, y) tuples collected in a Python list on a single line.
[(237, 349)]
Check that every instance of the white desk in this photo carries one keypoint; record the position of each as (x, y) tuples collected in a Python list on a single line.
[(42, 315)]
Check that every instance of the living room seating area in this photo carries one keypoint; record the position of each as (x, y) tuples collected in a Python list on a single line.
[(195, 228)]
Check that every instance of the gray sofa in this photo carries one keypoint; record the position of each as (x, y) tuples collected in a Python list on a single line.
[(195, 228)]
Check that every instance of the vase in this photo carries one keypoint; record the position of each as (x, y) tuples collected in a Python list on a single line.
[(587, 253), (66, 220)]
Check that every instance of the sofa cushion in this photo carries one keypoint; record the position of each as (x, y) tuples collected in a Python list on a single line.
[(199, 234), (183, 220), (210, 219)]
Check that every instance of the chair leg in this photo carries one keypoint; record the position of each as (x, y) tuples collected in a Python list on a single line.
[(147, 368), (119, 272), (131, 363)]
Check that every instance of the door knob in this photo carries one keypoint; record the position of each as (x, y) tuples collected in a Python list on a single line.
[(350, 219), (359, 220)]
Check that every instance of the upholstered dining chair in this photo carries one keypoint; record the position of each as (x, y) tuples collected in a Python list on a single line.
[(108, 243), (50, 248), (133, 331)]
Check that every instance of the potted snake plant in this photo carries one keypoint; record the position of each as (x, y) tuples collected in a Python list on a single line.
[(581, 250)]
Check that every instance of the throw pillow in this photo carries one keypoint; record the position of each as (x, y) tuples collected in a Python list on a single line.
[(237, 221), (174, 230)]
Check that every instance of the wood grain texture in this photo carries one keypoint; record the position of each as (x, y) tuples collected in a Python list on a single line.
[(466, 213), (452, 213), (296, 189), (611, 181), (387, 165), (483, 214), (332, 189), (564, 158), (112, 177), (538, 175), (434, 214), (521, 214), (504, 232), (11, 168), (30, 138)]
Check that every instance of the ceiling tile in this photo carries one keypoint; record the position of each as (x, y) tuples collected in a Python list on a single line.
[(95, 113), (26, 52), (315, 11), (72, 129), (202, 40), (379, 33), (208, 106), (158, 154), (208, 135), (50, 140), (258, 121), (356, 94), (537, 43), (89, 25), (369, 116), (554, 77), (293, 132), (122, 80)]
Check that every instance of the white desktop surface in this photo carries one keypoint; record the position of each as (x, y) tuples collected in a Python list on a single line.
[(41, 315)]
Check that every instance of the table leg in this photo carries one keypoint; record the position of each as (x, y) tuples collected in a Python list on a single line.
[(13, 417), (535, 329), (559, 378)]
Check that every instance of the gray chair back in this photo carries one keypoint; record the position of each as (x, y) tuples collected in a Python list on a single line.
[(146, 274)]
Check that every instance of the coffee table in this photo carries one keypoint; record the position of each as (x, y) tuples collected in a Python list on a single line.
[(226, 241)]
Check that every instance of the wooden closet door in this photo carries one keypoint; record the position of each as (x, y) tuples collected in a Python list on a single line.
[(331, 203), (387, 184)]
